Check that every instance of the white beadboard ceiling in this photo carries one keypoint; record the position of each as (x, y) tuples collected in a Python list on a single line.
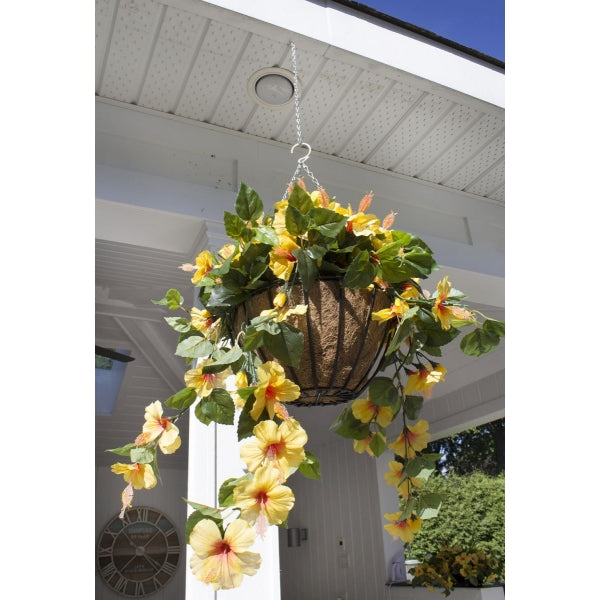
[(191, 61)]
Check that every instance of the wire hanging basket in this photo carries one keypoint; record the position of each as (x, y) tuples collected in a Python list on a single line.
[(343, 346)]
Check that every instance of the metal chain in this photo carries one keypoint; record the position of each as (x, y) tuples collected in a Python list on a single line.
[(302, 160)]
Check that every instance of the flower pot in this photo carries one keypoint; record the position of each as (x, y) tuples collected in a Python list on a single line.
[(409, 564), (343, 346), (407, 592)]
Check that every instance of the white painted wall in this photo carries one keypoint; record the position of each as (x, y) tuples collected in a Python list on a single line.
[(344, 504), (166, 497)]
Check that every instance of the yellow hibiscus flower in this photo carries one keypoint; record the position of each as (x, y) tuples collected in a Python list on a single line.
[(280, 312), (140, 475), (394, 475), (272, 387), (235, 383), (205, 383), (156, 425), (282, 446), (222, 561), (263, 500), (412, 439), (395, 310), (206, 323), (365, 411), (405, 529), (363, 445), (424, 379), (204, 262), (281, 259), (445, 313)]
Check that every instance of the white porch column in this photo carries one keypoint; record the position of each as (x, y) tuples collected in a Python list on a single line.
[(213, 458)]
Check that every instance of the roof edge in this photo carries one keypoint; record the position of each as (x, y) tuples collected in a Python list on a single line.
[(430, 35)]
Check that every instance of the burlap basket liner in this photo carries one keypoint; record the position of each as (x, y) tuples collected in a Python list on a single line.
[(343, 346)]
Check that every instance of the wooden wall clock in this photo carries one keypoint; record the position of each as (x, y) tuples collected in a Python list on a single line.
[(138, 555)]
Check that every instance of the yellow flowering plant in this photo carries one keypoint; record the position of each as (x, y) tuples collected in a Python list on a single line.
[(305, 238), (452, 567)]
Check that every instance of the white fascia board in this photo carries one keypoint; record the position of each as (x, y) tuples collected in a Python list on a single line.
[(337, 27)]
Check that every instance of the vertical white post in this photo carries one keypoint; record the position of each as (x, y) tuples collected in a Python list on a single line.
[(213, 458)]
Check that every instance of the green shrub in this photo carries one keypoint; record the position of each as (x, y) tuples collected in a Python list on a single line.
[(471, 516)]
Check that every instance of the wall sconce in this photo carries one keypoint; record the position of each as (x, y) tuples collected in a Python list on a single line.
[(295, 535)]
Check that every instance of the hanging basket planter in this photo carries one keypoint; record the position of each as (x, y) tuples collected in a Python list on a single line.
[(343, 346)]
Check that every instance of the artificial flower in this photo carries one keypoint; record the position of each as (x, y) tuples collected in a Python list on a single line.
[(233, 384), (204, 262), (424, 379), (365, 411), (222, 561), (410, 290), (140, 475), (282, 446), (394, 478), (364, 445), (282, 261), (263, 500), (156, 425), (446, 313), (126, 499), (395, 310), (206, 323), (205, 383), (412, 439), (280, 312), (272, 387), (404, 529)]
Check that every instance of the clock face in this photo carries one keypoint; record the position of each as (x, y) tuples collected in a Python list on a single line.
[(139, 554)]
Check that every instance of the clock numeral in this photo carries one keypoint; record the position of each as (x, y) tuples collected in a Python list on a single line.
[(108, 571), (174, 549), (169, 568), (105, 551), (121, 584), (139, 588), (142, 514)]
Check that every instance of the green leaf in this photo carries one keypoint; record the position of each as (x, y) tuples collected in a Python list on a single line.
[(479, 342), (182, 399), (234, 226), (377, 445), (307, 267), (248, 204), (195, 346), (123, 450), (217, 407), (286, 346), (224, 361), (227, 487), (142, 455), (172, 300), (428, 505), (295, 222), (179, 324), (253, 339), (310, 467), (383, 392), (327, 222), (412, 406), (300, 199), (494, 326), (266, 235), (235, 280), (348, 426), (361, 272), (200, 514), (402, 333)]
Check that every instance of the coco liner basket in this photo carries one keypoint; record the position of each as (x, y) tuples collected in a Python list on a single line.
[(343, 346)]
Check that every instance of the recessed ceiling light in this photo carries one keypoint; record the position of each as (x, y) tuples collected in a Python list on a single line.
[(272, 87)]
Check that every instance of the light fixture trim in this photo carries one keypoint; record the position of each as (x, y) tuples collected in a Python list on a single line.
[(272, 96)]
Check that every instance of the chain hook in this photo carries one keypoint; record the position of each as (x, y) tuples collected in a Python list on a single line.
[(304, 158)]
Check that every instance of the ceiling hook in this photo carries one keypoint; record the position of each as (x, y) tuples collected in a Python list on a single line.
[(304, 158)]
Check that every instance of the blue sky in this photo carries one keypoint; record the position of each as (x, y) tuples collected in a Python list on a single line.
[(477, 24)]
